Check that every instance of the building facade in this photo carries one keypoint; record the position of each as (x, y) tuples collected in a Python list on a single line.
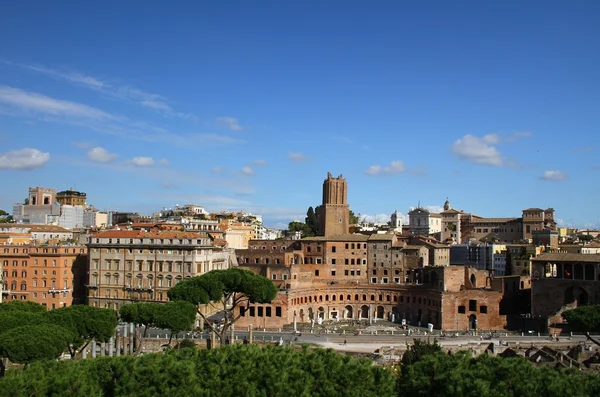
[(45, 274), (341, 276), (137, 265)]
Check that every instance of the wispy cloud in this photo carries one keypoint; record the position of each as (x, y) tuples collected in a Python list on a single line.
[(142, 161), (554, 175), (259, 162), (515, 136), (164, 161), (395, 167), (584, 149), (20, 103), (118, 91), (23, 159), (101, 155), (230, 123), (247, 171), (298, 157)]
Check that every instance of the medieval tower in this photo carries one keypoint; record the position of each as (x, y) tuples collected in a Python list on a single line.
[(334, 213)]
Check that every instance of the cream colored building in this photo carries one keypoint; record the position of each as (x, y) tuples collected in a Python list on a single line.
[(135, 265)]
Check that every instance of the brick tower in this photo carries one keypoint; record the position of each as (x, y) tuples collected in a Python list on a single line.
[(334, 213)]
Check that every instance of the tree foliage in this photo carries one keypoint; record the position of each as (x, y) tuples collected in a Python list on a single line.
[(226, 288), (34, 342), (80, 323), (174, 316), (460, 375), (418, 350), (238, 370), (87, 323), (584, 318), (353, 219), (22, 306)]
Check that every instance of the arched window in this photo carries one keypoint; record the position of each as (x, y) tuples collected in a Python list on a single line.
[(23, 287)]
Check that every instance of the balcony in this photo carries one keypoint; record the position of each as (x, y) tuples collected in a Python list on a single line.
[(92, 286), (58, 291), (138, 288), (6, 292)]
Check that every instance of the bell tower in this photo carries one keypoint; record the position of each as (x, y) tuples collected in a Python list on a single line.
[(334, 213)]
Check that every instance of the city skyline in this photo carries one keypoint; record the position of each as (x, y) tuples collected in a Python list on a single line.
[(246, 107)]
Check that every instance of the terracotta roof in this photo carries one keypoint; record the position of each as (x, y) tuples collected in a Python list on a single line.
[(339, 237), (563, 257), (493, 220), (47, 228), (150, 234), (533, 209), (382, 237)]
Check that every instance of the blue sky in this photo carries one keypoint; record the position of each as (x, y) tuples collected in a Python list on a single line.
[(247, 105)]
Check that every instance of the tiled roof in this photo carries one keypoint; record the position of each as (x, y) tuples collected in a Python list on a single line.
[(47, 228), (381, 237), (493, 220), (564, 257), (339, 237), (150, 234)]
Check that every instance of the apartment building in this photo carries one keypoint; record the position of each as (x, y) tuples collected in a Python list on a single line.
[(45, 274), (139, 265)]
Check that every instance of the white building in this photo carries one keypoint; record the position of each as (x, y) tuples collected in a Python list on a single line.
[(94, 218), (422, 222), (396, 222)]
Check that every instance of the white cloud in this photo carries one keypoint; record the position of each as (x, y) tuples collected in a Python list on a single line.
[(23, 159), (554, 175), (142, 161), (118, 91), (101, 155), (229, 122), (297, 157), (164, 161), (395, 167), (259, 162), (247, 171), (478, 150), (31, 102)]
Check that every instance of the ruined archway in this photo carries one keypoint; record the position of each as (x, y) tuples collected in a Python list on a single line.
[(473, 322), (364, 311), (348, 312), (380, 312)]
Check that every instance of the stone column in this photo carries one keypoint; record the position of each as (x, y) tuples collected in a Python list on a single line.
[(111, 347), (214, 339), (232, 334), (93, 343), (118, 346), (102, 349), (131, 339), (250, 334)]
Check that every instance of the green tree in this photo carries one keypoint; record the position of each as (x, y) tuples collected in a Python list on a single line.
[(419, 349), (311, 221), (583, 318), (228, 289), (14, 319), (174, 316), (238, 370), (87, 323), (5, 217), (353, 219), (296, 226), (34, 342), (22, 306)]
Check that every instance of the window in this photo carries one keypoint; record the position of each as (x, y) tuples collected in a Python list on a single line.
[(333, 249), (268, 311), (374, 280), (252, 311), (242, 311), (483, 309), (260, 311), (384, 280), (461, 309), (278, 311), (345, 272), (333, 261), (274, 276), (472, 305), (316, 273), (333, 273)]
